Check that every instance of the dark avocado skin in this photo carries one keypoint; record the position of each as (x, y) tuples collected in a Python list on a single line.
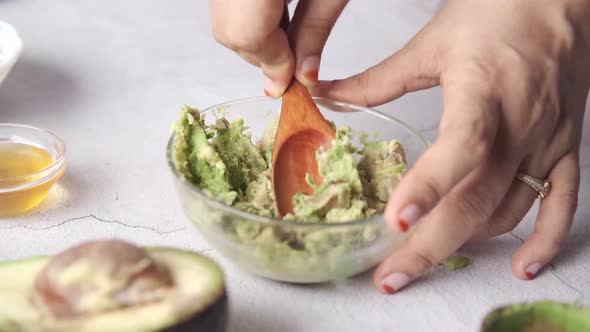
[(214, 319), (538, 316)]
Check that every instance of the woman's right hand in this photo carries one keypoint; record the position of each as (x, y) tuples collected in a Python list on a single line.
[(251, 29)]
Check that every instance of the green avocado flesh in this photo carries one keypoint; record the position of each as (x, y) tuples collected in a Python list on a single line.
[(454, 263), (545, 316), (198, 281), (222, 161)]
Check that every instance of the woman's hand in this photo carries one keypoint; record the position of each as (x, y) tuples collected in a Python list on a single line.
[(515, 76), (251, 29)]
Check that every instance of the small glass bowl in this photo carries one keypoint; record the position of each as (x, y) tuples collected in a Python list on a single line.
[(332, 251), (19, 194)]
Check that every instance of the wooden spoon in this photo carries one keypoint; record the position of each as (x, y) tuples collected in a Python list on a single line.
[(302, 131)]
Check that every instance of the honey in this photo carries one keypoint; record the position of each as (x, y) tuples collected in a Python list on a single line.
[(20, 170)]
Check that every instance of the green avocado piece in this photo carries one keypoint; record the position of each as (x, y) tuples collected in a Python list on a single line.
[(266, 144), (197, 302), (339, 197), (259, 197), (243, 160), (543, 316), (337, 164), (7, 325), (381, 168), (456, 263), (323, 200), (196, 158)]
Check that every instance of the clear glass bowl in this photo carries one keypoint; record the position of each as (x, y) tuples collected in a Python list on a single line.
[(333, 251), (19, 194)]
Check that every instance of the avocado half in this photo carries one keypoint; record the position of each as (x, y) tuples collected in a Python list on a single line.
[(544, 316), (198, 302)]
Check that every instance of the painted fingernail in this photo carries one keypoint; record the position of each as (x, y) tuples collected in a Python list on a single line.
[(310, 68), (532, 270), (272, 88), (409, 216), (394, 282)]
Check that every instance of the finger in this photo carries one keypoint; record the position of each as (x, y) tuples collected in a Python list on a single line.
[(553, 221), (310, 28), (406, 71), (514, 207), (277, 63), (252, 27), (467, 134), (447, 227), (251, 59)]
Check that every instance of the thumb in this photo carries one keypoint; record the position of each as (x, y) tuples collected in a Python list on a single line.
[(312, 23), (405, 71)]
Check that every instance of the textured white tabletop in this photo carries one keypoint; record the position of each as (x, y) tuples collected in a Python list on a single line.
[(109, 77)]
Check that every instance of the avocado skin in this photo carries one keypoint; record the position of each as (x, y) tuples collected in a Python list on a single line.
[(518, 317), (214, 319)]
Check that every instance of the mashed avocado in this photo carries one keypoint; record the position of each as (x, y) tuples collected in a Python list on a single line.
[(223, 162)]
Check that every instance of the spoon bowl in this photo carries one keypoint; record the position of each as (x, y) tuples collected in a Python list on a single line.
[(302, 131)]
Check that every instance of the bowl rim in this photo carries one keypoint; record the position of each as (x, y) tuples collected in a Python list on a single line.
[(49, 168), (210, 201)]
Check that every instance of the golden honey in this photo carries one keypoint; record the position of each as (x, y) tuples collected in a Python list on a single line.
[(20, 166)]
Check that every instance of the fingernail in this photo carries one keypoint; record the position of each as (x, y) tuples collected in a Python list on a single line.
[(394, 282), (310, 68), (271, 88), (409, 216), (532, 270)]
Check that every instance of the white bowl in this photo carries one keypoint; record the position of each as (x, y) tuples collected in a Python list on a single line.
[(11, 47)]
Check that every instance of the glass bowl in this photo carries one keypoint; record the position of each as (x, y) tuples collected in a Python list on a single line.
[(332, 251), (20, 193)]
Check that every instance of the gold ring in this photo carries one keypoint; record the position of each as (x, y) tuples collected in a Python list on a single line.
[(542, 187)]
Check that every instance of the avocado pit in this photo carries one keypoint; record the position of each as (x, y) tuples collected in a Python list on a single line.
[(100, 276)]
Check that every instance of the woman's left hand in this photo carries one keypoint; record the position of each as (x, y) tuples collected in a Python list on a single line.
[(515, 76)]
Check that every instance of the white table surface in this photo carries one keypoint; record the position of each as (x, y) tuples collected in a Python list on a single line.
[(109, 77)]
